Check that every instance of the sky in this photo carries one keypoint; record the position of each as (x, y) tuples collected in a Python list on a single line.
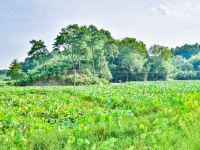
[(166, 22)]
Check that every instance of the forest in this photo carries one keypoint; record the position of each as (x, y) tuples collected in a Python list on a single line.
[(89, 55)]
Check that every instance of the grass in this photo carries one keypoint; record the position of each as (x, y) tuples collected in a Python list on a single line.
[(137, 115)]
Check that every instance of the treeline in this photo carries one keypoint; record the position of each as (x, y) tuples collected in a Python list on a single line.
[(3, 75), (89, 55)]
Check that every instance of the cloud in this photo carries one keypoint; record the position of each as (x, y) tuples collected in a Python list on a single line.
[(161, 9), (22, 20), (177, 9)]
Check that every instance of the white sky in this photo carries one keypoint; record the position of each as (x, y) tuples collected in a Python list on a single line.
[(166, 22)]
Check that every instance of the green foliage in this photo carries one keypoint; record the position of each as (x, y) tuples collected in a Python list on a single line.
[(138, 115), (3, 75), (195, 61), (88, 52), (187, 50), (184, 70), (160, 51), (129, 63), (38, 49), (159, 65), (15, 71), (82, 79)]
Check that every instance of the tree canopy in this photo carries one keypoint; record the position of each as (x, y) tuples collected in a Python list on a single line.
[(96, 57)]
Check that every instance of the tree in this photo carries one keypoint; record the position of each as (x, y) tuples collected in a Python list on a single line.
[(38, 50), (95, 44), (101, 50), (74, 41), (15, 70), (111, 50), (159, 64), (195, 61), (183, 68), (160, 51), (130, 60), (85, 45), (187, 50), (3, 75)]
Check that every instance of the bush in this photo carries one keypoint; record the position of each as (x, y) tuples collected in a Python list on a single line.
[(7, 83), (185, 75), (2, 84), (82, 79)]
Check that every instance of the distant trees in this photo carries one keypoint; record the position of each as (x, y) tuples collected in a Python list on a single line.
[(3, 75), (129, 62), (38, 50), (99, 49), (88, 55), (187, 62), (187, 50), (84, 46), (37, 55), (184, 69), (159, 65), (15, 70), (73, 40)]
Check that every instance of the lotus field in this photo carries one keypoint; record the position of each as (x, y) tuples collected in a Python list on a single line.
[(136, 115)]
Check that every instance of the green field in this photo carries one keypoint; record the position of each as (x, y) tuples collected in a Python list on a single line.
[(137, 115)]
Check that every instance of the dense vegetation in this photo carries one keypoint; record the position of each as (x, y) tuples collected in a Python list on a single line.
[(3, 75), (138, 115), (89, 55)]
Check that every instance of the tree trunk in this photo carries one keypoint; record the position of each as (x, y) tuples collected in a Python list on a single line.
[(74, 67), (93, 63), (74, 81), (79, 64), (145, 76), (127, 77)]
